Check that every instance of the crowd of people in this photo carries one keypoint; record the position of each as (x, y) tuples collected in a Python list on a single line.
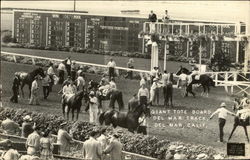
[(40, 143)]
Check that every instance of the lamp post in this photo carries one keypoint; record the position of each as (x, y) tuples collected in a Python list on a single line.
[(74, 5)]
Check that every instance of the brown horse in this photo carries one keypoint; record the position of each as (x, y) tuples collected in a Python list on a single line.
[(241, 122), (127, 120), (28, 78), (73, 103)]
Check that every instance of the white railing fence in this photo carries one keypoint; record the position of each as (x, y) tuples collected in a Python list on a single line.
[(225, 79)]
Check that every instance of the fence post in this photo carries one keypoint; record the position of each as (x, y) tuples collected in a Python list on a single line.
[(216, 79), (14, 57), (226, 80), (33, 61), (235, 80)]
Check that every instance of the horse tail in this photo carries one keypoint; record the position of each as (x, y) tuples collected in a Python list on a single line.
[(101, 118)]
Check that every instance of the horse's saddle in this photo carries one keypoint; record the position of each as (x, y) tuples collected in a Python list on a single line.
[(66, 97), (22, 75), (197, 77)]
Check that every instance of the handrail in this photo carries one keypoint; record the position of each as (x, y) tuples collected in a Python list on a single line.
[(78, 62)]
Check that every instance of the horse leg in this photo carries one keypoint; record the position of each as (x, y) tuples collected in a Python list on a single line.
[(29, 91), (235, 126), (63, 109), (204, 90), (73, 110), (68, 113), (245, 129), (208, 89), (22, 89), (77, 114)]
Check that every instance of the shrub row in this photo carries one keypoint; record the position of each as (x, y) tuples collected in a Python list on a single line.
[(102, 52), (136, 143)]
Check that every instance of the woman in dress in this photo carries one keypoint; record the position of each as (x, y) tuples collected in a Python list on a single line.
[(46, 146)]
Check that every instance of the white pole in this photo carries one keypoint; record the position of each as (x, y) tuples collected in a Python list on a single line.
[(237, 51), (165, 56), (247, 50), (200, 57), (187, 48)]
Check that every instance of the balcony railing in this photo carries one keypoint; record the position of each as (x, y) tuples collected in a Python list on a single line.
[(193, 28)]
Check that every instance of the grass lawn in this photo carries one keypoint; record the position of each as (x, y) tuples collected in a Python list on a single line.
[(140, 63), (192, 130)]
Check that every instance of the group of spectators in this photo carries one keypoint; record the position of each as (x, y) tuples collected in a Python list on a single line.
[(40, 144), (152, 17)]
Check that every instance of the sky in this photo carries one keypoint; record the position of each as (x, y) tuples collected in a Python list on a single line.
[(233, 11)]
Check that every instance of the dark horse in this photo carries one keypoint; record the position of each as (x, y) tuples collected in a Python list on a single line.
[(241, 122), (205, 80), (28, 78), (127, 120), (73, 103), (112, 94)]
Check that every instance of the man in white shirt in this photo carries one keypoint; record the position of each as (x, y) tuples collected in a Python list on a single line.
[(92, 149), (143, 95), (61, 72), (153, 91), (51, 74), (93, 108), (222, 115), (111, 64), (112, 84), (33, 142), (182, 82), (34, 92), (80, 82)]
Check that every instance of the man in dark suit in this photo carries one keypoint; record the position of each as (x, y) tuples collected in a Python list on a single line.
[(114, 148), (152, 18), (92, 149), (15, 89)]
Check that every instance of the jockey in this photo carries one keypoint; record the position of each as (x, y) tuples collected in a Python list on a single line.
[(244, 101), (112, 84), (194, 72), (243, 114), (69, 90), (80, 82)]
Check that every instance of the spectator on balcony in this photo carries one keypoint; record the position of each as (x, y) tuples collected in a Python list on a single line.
[(111, 65), (152, 18), (61, 72), (68, 65), (131, 66), (51, 73), (166, 19)]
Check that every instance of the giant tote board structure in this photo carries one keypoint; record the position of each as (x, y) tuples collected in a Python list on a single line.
[(113, 33)]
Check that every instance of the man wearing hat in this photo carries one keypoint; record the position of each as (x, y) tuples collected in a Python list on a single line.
[(222, 115), (64, 139), (111, 65), (73, 70), (153, 91), (33, 142), (68, 65), (179, 153), (143, 94), (114, 148), (170, 153), (61, 72), (93, 108), (51, 74), (92, 149), (27, 128), (15, 89), (34, 92)]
